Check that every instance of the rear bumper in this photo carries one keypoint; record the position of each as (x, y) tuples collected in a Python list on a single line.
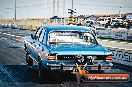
[(72, 66)]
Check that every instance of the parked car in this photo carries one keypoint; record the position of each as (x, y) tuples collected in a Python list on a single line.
[(6, 26), (13, 26), (63, 47), (119, 25)]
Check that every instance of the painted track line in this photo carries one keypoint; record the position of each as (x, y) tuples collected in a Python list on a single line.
[(4, 33), (12, 35), (105, 40), (22, 37), (123, 42), (8, 34), (130, 43), (115, 41), (18, 36), (117, 48)]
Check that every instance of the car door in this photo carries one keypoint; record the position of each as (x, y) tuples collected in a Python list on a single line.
[(35, 44), (40, 44)]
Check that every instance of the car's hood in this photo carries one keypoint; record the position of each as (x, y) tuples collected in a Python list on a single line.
[(76, 49)]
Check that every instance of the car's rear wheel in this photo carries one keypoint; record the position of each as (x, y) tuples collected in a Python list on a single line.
[(96, 71), (40, 70), (29, 60)]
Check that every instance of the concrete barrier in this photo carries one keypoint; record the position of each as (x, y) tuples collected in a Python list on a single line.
[(104, 33), (122, 56), (34, 27), (26, 27), (20, 27), (129, 34), (120, 34)]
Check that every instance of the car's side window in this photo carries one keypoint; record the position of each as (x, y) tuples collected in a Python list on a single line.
[(41, 38), (37, 35)]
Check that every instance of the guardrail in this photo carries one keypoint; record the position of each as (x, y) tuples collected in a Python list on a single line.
[(122, 56), (29, 27), (20, 26), (119, 33)]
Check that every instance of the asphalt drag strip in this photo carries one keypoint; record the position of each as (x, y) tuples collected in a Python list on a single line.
[(15, 73)]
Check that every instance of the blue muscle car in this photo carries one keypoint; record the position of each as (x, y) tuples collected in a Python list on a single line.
[(64, 47)]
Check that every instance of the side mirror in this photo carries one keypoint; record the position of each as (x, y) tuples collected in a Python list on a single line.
[(32, 36)]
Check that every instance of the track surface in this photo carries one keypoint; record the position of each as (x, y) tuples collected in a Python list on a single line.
[(14, 73)]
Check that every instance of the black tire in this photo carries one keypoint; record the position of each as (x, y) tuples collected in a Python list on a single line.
[(101, 71), (80, 78), (97, 71), (29, 60), (40, 68)]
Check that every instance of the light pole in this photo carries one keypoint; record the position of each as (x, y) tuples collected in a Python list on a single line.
[(72, 4), (71, 12), (58, 7), (53, 7), (15, 9), (64, 11), (63, 8), (1, 17), (120, 12)]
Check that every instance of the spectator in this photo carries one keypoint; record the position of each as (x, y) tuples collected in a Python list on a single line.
[(86, 24), (91, 24)]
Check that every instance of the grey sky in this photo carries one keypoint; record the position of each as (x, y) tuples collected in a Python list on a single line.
[(44, 8)]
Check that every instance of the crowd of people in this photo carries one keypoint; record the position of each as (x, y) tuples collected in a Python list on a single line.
[(109, 23)]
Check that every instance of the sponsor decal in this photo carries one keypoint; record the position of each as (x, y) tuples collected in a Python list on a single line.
[(104, 33), (129, 35), (107, 77), (122, 57)]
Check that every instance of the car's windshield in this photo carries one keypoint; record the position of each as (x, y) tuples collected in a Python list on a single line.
[(71, 37)]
